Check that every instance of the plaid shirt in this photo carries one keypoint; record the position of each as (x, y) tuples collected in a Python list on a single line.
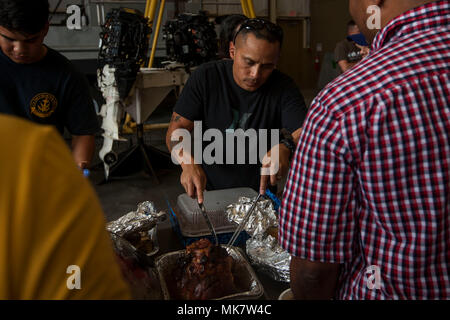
[(369, 186)]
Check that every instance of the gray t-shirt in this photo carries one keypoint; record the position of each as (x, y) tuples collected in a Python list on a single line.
[(348, 51)]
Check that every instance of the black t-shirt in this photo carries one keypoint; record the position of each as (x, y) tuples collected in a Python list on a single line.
[(50, 92), (212, 96)]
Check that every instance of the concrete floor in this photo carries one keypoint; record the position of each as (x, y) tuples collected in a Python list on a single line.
[(119, 196)]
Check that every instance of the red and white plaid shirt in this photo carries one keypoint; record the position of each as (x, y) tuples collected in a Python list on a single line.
[(369, 187)]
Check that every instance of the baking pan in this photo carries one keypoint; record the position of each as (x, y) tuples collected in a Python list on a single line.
[(246, 281)]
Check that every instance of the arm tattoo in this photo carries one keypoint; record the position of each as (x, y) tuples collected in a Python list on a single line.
[(175, 118)]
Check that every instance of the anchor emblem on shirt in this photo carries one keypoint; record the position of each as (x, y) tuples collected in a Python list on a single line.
[(43, 105)]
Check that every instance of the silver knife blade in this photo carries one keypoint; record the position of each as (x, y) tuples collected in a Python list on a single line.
[(208, 222), (243, 222)]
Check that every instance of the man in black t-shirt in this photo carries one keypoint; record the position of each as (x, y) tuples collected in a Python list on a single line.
[(242, 96), (38, 83)]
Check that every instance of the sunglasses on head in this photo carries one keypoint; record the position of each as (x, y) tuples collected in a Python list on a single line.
[(260, 24)]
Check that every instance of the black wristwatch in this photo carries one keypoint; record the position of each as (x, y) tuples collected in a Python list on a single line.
[(288, 141)]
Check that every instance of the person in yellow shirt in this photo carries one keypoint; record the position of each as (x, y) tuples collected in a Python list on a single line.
[(53, 241)]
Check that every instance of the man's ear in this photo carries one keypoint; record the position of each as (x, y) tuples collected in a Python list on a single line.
[(232, 50)]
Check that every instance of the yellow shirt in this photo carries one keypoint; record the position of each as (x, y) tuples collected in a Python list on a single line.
[(51, 222)]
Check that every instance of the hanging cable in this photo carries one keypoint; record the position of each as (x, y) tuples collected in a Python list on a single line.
[(54, 11)]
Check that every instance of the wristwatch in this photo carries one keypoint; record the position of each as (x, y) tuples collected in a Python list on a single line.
[(288, 141)]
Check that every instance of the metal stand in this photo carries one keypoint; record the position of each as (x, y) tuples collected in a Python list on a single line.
[(137, 158), (151, 88)]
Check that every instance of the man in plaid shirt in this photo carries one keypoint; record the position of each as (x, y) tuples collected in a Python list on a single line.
[(366, 209)]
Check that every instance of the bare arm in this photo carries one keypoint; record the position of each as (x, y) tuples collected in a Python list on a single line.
[(193, 178), (345, 65), (313, 280), (83, 148), (296, 135), (177, 122)]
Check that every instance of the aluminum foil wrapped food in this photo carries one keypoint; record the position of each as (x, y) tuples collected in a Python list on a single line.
[(263, 217), (143, 219), (135, 243), (268, 256), (262, 248)]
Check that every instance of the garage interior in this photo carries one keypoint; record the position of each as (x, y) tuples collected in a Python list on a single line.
[(303, 59), (311, 30), (317, 145)]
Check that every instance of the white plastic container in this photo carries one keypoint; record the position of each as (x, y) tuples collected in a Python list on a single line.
[(191, 220)]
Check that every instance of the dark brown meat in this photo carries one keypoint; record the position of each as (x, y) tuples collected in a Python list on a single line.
[(205, 273)]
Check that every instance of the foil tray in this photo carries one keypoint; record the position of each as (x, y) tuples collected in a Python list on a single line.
[(190, 218), (248, 280), (123, 245), (137, 270)]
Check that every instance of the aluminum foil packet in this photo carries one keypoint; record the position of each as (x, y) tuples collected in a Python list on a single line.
[(143, 219), (263, 217), (268, 256), (262, 248)]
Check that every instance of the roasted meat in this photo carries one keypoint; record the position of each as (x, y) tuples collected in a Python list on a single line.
[(205, 272)]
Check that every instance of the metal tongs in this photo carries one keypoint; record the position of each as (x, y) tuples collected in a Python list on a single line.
[(243, 222), (208, 222)]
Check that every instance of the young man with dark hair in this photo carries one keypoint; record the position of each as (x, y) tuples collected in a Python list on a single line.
[(38, 83), (365, 213), (245, 93)]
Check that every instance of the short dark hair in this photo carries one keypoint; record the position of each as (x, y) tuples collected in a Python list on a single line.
[(261, 29), (24, 16), (228, 28), (351, 24)]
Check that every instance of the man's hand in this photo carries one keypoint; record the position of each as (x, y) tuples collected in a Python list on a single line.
[(364, 50), (275, 166), (276, 163), (193, 179)]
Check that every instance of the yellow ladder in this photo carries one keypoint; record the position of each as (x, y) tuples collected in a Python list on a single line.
[(248, 8), (150, 11)]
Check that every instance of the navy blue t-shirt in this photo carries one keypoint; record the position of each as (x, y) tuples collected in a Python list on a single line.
[(50, 92), (212, 96)]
